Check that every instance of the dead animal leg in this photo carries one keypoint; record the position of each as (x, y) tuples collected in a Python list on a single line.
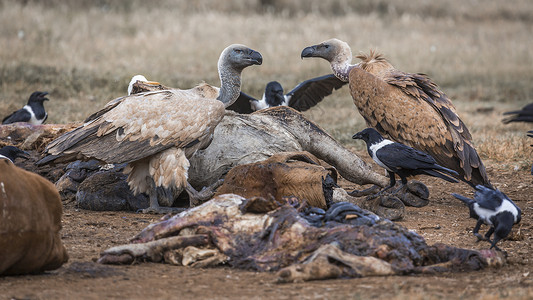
[(205, 194)]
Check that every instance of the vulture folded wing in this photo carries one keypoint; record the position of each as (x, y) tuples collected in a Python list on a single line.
[(143, 124), (421, 87), (109, 106), (411, 109), (242, 104), (310, 92)]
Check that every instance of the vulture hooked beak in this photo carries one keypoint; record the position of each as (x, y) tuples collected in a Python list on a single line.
[(308, 52), (255, 57)]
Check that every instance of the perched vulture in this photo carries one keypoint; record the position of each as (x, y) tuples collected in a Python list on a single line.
[(157, 132), (523, 115), (409, 108), (33, 112), (304, 96)]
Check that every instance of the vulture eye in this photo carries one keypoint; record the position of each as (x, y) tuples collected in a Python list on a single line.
[(326, 46), (239, 51)]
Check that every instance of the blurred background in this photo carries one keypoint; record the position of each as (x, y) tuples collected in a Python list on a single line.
[(85, 52)]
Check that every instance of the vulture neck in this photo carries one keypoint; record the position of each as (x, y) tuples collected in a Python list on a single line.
[(341, 66), (230, 84)]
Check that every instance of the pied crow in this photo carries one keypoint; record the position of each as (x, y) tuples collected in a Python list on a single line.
[(32, 113), (12, 152), (493, 208), (400, 159)]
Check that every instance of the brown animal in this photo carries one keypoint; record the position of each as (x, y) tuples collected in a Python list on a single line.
[(30, 221), (284, 174), (156, 133), (409, 108)]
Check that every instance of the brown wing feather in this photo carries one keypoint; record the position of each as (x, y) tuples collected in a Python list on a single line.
[(410, 109), (143, 124)]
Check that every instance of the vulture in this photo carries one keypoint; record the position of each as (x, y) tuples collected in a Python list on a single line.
[(33, 112), (304, 96), (156, 132), (523, 115), (409, 108)]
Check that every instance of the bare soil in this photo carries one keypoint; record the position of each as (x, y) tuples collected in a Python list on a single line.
[(445, 220)]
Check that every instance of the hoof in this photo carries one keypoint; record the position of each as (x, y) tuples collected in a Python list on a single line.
[(385, 205), (415, 194)]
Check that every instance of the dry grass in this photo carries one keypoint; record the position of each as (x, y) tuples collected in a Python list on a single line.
[(85, 52)]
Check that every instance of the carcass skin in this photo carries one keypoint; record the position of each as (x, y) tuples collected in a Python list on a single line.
[(282, 240), (248, 138)]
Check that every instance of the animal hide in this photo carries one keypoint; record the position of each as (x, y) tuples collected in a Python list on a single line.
[(29, 223), (284, 174)]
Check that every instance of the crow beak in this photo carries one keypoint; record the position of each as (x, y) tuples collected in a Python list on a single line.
[(24, 155), (357, 136), (255, 57), (308, 52)]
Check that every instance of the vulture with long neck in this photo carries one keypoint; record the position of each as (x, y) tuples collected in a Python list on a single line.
[(156, 132), (409, 108)]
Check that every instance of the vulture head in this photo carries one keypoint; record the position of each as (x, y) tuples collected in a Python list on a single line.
[(332, 50), (274, 94), (336, 52), (136, 78), (230, 65), (38, 97), (238, 57)]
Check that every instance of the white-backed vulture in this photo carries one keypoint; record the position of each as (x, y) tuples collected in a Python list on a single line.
[(409, 108), (156, 132), (33, 112), (305, 95)]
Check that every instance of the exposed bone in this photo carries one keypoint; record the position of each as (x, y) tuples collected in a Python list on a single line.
[(331, 262)]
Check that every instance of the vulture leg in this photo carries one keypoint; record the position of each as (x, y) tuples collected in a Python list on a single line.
[(154, 207), (207, 192)]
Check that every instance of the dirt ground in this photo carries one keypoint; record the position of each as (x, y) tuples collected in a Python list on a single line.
[(86, 233)]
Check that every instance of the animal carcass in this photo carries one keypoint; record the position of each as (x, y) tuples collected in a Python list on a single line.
[(242, 235)]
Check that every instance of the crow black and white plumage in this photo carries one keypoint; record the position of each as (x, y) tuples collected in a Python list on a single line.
[(493, 208), (12, 153), (304, 96), (400, 159), (33, 112), (523, 115)]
